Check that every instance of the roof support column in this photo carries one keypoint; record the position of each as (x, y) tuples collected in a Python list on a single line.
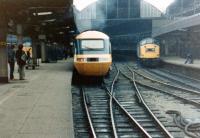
[(19, 34), (35, 46), (3, 47), (43, 52)]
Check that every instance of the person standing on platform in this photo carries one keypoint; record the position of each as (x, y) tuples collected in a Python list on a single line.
[(189, 59), (11, 61), (21, 61)]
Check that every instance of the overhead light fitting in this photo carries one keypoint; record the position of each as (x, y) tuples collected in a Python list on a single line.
[(72, 31), (43, 24), (42, 13), (51, 20)]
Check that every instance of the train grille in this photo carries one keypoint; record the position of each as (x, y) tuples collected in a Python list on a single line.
[(92, 59)]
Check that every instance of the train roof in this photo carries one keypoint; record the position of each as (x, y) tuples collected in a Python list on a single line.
[(92, 35), (148, 40)]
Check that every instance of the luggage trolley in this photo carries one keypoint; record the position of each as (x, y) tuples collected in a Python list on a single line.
[(29, 63)]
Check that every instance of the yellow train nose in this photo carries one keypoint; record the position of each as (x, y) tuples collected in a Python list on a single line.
[(93, 69)]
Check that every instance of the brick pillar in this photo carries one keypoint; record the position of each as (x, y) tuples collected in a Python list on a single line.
[(3, 48)]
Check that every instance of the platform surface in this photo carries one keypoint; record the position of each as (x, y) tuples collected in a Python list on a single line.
[(181, 62), (40, 106)]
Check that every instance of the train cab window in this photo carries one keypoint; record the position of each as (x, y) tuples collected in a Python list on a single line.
[(92, 44), (148, 41), (150, 50)]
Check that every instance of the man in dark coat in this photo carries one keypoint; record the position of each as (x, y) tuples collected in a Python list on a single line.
[(11, 60), (189, 59), (21, 61)]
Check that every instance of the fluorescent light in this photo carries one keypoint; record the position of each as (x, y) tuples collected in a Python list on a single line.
[(72, 31), (44, 13), (61, 32), (81, 4), (51, 20), (43, 24)]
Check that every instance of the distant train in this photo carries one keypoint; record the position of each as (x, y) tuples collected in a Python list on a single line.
[(148, 52), (92, 56)]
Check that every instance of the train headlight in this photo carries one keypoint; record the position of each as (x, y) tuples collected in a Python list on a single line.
[(80, 59), (104, 59)]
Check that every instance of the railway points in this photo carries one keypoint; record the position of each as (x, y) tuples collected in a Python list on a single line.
[(110, 112)]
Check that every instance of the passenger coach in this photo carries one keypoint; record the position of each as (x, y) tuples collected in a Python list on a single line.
[(92, 53)]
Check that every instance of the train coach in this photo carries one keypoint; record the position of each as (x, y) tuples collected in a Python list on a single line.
[(148, 52), (92, 55)]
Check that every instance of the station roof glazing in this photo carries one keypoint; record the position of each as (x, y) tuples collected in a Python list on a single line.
[(160, 4)]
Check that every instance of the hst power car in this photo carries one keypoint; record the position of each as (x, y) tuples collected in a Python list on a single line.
[(92, 55)]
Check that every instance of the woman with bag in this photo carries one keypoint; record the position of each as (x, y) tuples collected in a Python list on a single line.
[(21, 61)]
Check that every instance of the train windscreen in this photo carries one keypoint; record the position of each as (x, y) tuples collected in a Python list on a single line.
[(148, 41), (95, 46), (92, 44)]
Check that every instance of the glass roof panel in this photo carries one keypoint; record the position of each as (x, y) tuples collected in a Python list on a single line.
[(160, 4), (81, 4)]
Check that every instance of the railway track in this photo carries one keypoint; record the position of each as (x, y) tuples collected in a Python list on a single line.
[(176, 78), (184, 94), (119, 110)]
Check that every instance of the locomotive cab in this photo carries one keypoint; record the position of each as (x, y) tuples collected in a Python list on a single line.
[(148, 51), (92, 53)]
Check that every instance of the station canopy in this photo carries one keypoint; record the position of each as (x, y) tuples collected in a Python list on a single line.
[(51, 15)]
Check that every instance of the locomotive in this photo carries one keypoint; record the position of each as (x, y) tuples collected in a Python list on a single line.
[(92, 55), (148, 52)]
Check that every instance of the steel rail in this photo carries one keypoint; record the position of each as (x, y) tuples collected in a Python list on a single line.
[(146, 135), (185, 84), (180, 75), (111, 106), (174, 95), (111, 94), (163, 91), (88, 114), (160, 82), (166, 132)]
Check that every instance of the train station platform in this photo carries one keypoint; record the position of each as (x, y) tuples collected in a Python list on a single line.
[(39, 106), (181, 62), (177, 64)]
